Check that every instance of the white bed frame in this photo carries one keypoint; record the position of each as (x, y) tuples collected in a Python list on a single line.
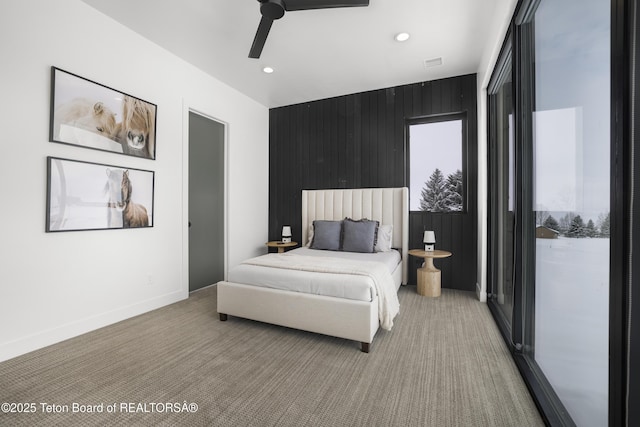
[(349, 319)]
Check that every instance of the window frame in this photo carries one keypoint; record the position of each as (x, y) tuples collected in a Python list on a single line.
[(505, 62), (439, 118)]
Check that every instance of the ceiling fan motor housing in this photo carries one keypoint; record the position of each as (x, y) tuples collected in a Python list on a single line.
[(273, 9)]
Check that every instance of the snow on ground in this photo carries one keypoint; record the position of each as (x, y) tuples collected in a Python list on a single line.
[(572, 323)]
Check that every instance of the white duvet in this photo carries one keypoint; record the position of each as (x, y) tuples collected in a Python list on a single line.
[(376, 273)]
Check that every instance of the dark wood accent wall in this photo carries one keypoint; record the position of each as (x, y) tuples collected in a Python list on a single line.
[(358, 141)]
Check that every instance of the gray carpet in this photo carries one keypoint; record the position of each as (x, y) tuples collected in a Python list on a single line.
[(443, 364)]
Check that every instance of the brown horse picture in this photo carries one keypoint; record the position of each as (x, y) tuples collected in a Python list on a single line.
[(122, 210), (81, 197), (134, 214)]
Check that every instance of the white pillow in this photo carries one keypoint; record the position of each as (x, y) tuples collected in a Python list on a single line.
[(385, 234), (309, 235)]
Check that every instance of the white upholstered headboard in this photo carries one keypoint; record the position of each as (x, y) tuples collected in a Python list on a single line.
[(387, 205)]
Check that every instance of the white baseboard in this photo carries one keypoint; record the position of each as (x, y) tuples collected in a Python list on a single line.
[(482, 295), (55, 335)]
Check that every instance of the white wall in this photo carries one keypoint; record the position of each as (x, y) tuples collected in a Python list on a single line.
[(58, 285), (501, 18)]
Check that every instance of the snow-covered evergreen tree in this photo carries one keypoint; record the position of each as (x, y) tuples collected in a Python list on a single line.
[(454, 197), (577, 228), (435, 193), (541, 217), (552, 223), (604, 225), (565, 222)]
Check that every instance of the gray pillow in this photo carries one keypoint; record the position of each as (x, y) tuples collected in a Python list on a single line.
[(326, 235), (359, 236)]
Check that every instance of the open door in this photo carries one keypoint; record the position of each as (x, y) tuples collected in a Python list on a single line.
[(206, 201)]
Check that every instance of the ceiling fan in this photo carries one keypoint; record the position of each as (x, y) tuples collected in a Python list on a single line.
[(275, 9)]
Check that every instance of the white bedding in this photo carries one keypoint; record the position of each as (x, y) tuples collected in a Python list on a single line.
[(360, 288), (353, 312), (341, 272)]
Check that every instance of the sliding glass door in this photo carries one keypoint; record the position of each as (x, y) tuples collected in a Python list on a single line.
[(550, 202), (571, 201)]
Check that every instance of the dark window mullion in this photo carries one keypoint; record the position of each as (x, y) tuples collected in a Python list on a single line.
[(622, 23), (523, 93), (497, 155)]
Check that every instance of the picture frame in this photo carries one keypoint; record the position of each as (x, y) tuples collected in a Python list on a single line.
[(91, 115), (93, 196)]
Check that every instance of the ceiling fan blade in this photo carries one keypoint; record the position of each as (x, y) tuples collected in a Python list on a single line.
[(260, 38), (292, 5)]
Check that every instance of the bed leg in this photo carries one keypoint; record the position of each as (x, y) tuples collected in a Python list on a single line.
[(364, 347), (223, 317)]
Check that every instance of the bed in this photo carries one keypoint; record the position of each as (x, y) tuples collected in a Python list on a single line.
[(258, 289)]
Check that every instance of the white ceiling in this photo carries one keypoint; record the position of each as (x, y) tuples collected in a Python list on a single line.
[(316, 54)]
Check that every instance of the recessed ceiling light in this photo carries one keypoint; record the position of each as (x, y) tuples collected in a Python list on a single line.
[(267, 70), (401, 37)]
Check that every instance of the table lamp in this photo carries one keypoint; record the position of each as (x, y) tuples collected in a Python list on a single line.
[(286, 234), (429, 241)]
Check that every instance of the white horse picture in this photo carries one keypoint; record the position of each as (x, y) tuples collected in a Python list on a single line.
[(92, 115)]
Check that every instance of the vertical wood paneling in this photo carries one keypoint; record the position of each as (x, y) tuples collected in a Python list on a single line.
[(358, 141), (424, 95)]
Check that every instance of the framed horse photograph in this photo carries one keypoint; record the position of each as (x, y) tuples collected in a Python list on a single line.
[(93, 196), (92, 115)]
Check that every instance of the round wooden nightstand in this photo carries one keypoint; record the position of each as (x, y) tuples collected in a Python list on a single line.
[(429, 276), (280, 245)]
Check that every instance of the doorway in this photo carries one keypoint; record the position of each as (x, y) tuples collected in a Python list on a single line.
[(206, 201)]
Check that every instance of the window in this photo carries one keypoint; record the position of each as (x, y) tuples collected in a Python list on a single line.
[(436, 169), (571, 196), (550, 202)]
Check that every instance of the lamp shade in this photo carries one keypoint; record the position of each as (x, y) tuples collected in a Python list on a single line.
[(286, 234), (429, 237), (429, 240)]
